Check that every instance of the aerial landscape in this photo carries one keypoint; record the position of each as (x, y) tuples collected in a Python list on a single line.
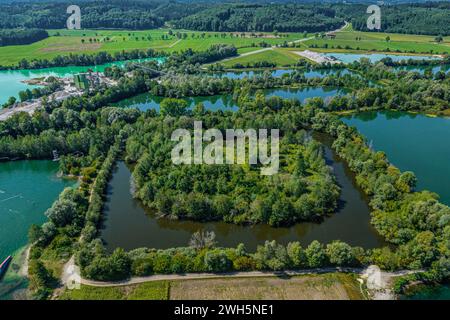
[(224, 150)]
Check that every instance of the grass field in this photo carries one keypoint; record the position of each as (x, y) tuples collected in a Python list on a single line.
[(377, 41), (311, 287), (63, 42), (280, 57), (158, 290), (333, 286)]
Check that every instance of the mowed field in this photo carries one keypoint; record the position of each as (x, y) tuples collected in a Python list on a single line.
[(377, 41), (281, 57), (64, 42), (333, 286)]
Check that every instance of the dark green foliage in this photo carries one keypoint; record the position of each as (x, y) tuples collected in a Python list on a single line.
[(236, 193), (430, 18), (96, 14), (252, 17), (21, 36)]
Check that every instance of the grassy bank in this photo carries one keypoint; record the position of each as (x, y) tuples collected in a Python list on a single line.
[(356, 40)]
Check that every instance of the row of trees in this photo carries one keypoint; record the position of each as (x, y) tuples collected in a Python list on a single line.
[(85, 59), (95, 264)]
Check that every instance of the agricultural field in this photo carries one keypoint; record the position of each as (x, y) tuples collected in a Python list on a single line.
[(278, 56), (349, 39), (64, 42), (333, 286), (311, 287)]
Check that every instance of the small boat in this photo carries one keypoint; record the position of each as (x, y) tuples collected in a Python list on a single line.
[(4, 266)]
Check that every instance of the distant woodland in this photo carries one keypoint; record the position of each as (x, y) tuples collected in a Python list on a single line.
[(431, 18)]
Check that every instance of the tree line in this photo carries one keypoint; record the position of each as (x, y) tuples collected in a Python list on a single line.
[(95, 14), (18, 36)]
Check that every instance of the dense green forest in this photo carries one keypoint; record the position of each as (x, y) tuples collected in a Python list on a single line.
[(21, 36), (424, 18), (303, 190), (95, 14), (282, 18), (428, 19)]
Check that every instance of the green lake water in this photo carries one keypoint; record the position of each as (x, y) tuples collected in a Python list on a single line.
[(412, 142), (374, 57), (421, 292), (319, 73), (421, 69), (225, 102), (27, 190), (11, 80)]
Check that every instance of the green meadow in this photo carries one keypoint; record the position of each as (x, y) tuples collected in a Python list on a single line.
[(64, 42), (158, 290), (281, 57), (367, 41)]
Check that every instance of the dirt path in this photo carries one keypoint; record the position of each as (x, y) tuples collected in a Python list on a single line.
[(24, 268)]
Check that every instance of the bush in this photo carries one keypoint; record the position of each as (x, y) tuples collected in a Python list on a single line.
[(217, 261)]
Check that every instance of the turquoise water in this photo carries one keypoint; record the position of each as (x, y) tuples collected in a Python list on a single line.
[(374, 57), (27, 190), (421, 69), (10, 80), (225, 102), (412, 142), (281, 72), (438, 292), (249, 74)]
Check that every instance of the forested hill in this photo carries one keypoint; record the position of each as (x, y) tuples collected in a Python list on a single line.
[(132, 14), (288, 17), (429, 18), (432, 18)]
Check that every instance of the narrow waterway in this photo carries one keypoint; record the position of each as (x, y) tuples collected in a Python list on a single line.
[(129, 225)]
